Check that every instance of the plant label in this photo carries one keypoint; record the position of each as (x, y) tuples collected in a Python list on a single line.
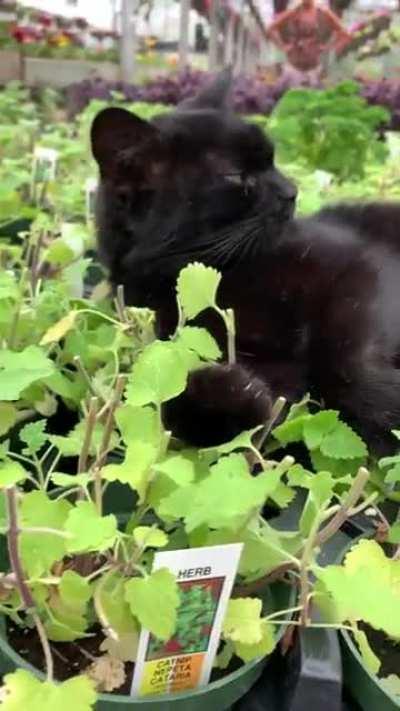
[(44, 165), (91, 186), (205, 577)]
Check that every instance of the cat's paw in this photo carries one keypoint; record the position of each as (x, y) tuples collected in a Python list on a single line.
[(220, 401)]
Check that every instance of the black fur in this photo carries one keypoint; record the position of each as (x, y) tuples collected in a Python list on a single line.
[(316, 300)]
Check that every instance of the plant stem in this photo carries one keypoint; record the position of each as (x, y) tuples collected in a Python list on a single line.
[(306, 560), (14, 326), (26, 596), (256, 586), (108, 429), (341, 516), (105, 443), (364, 505), (229, 319), (101, 315), (12, 541), (275, 412), (119, 302), (137, 517), (181, 320), (80, 367), (107, 628), (90, 425), (289, 611), (39, 470), (45, 646)]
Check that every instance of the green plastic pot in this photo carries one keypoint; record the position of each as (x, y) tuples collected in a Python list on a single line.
[(366, 688), (218, 696)]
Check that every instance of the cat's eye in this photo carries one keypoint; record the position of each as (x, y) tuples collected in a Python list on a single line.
[(234, 178), (242, 180)]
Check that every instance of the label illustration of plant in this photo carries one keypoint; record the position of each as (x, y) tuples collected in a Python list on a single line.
[(196, 614)]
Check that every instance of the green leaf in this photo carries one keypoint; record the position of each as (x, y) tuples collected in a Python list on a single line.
[(11, 473), (154, 601), (138, 424), (392, 685), (125, 647), (25, 691), (89, 531), (71, 445), (366, 587), (66, 388), (8, 417), (224, 658), (59, 253), (394, 534), (197, 288), (318, 426), (159, 374), (200, 341), (60, 329), (20, 370), (291, 430), (266, 549), (8, 286), (393, 476), (136, 468), (149, 537), (115, 606), (241, 441), (178, 468), (39, 551), (243, 621), (321, 487), (70, 481), (267, 644), (68, 606), (371, 661), (223, 499), (33, 434), (337, 467), (343, 443)]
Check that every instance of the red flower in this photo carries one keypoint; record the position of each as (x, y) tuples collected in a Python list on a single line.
[(26, 34), (43, 18)]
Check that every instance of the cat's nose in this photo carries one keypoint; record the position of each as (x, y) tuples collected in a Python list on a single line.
[(286, 191)]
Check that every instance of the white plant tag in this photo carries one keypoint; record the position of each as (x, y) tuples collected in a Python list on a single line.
[(91, 186), (44, 166), (205, 577)]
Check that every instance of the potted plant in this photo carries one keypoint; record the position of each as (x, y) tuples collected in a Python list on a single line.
[(80, 574), (371, 656)]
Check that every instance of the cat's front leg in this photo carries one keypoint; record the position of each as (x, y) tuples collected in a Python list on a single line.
[(220, 401)]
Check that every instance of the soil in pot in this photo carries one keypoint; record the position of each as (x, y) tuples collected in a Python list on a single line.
[(386, 650)]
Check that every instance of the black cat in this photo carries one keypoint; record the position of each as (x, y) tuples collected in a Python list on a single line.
[(316, 300)]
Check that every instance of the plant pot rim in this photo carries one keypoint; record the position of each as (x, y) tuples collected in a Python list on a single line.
[(374, 679)]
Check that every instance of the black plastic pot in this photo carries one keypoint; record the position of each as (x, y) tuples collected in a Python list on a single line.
[(14, 227), (217, 696)]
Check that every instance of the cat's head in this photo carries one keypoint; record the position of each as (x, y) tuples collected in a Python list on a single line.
[(195, 184)]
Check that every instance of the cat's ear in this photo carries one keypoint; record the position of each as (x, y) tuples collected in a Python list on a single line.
[(214, 96), (115, 130)]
